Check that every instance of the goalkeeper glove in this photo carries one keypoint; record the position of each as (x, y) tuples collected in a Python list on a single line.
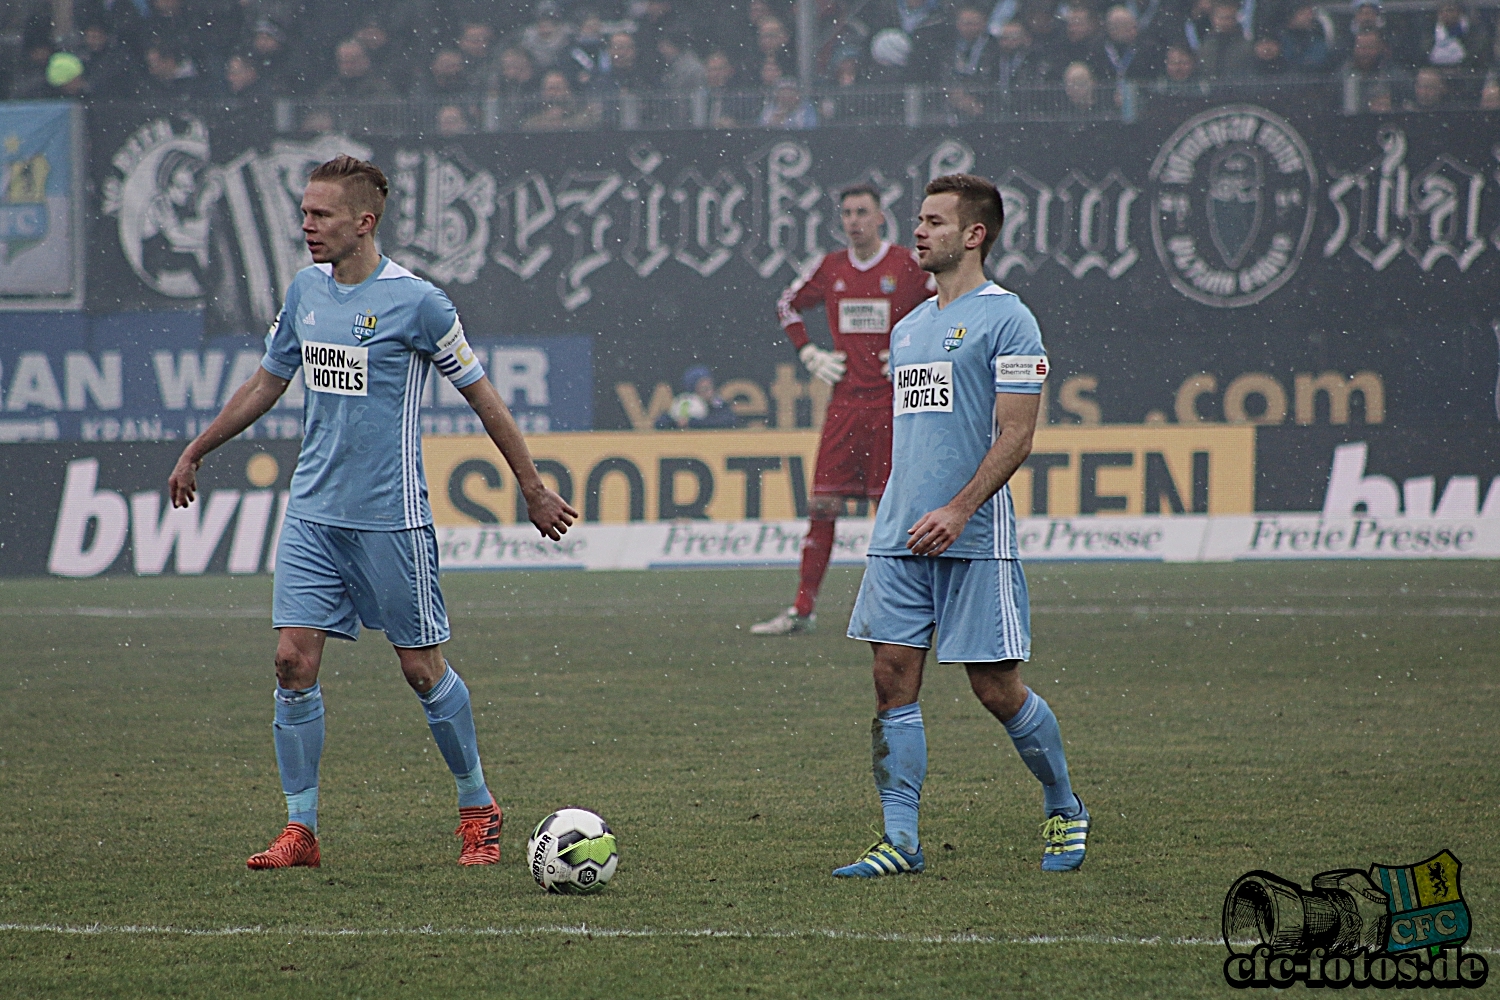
[(885, 364), (826, 365)]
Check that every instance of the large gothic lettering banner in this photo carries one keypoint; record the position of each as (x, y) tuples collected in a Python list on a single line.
[(1216, 263)]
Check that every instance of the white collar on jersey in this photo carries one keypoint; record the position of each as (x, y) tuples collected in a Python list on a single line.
[(992, 288), (391, 270), (865, 265)]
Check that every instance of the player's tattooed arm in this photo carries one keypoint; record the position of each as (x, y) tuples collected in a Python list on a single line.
[(248, 404), (1015, 416), (551, 514)]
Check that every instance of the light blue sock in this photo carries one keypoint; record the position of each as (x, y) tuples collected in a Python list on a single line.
[(899, 754), (298, 731), (452, 723), (1034, 732)]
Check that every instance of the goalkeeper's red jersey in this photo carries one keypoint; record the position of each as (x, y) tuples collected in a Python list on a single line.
[(863, 300)]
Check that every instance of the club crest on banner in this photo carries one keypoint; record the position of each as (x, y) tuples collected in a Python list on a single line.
[(1232, 205), (163, 196)]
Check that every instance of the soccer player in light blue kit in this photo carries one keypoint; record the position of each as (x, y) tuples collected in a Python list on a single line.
[(967, 368), (358, 544)]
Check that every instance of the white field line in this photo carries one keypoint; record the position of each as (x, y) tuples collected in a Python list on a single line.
[(584, 930), (1149, 610)]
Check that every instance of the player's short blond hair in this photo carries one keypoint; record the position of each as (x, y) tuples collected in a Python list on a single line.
[(363, 182)]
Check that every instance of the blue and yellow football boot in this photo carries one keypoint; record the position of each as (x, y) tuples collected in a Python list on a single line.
[(883, 858), (1064, 839)]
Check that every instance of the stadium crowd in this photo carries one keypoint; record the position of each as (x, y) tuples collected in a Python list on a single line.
[(562, 64)]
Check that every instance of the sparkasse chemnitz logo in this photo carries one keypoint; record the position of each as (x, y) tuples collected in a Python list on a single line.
[(1232, 205), (1388, 927)]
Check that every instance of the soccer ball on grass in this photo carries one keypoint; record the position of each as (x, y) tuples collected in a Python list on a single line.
[(572, 851)]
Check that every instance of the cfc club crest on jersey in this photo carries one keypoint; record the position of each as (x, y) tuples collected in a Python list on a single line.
[(955, 338), (364, 325), (887, 284)]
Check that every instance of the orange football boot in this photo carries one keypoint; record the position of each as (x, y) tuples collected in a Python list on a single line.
[(479, 826), (294, 846)]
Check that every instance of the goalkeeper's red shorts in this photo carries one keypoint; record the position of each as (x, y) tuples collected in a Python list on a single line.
[(854, 455)]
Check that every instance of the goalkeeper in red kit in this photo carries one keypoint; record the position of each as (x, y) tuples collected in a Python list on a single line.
[(864, 290)]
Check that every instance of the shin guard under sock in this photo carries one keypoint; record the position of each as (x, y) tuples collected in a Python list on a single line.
[(452, 723), (899, 758), (1038, 740), (298, 732)]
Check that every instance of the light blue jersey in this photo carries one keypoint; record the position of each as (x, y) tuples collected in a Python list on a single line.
[(364, 354), (946, 367)]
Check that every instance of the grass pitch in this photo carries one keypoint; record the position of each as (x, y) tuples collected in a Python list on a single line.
[(1219, 718)]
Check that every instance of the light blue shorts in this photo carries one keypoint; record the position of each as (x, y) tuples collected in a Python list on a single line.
[(978, 606), (334, 579)]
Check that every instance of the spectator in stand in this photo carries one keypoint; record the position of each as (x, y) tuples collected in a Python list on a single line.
[(1306, 40), (446, 79), (124, 19), (1429, 91), (1268, 57), (560, 109), (843, 104), (786, 107), (1046, 35), (699, 406), (1180, 73), (971, 51), (1489, 94), (1226, 54), (386, 62), (516, 87), (587, 53), (242, 81), (451, 120), (1080, 87), (108, 65), (548, 37), (170, 75), (354, 81), (476, 42), (718, 70), (619, 71), (1368, 77), (517, 80), (268, 50), (1453, 39), (1129, 56), (1194, 24), (683, 71), (1083, 41), (1366, 15), (37, 49), (773, 42), (971, 62), (1015, 61)]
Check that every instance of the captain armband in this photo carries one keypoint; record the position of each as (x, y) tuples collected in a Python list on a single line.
[(454, 358)]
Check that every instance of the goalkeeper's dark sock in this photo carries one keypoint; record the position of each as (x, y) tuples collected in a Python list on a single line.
[(1038, 740), (298, 734), (452, 723), (817, 549), (899, 758)]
